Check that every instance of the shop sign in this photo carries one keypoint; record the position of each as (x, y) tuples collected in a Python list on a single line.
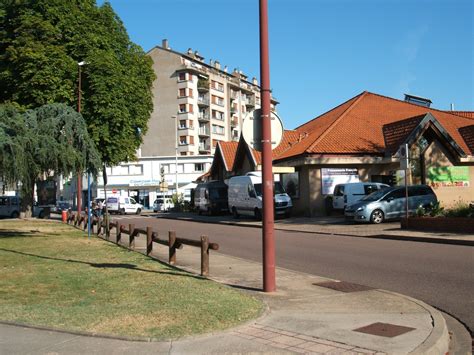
[(330, 177), (150, 182), (449, 176)]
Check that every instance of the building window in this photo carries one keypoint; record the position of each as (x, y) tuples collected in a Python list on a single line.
[(218, 86), (165, 168), (199, 167), (182, 108), (183, 140), (190, 92), (218, 115), (182, 124), (218, 129), (182, 92), (182, 76), (135, 169)]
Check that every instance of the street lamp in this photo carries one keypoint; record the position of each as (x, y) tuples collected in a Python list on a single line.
[(79, 174), (176, 153)]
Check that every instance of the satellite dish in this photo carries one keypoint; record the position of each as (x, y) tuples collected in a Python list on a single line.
[(252, 130)]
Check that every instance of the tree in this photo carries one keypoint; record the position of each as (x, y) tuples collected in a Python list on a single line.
[(41, 42), (51, 139)]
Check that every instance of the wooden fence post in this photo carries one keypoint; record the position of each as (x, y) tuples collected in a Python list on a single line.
[(107, 228), (149, 240), (204, 255), (131, 238), (119, 233), (172, 247)]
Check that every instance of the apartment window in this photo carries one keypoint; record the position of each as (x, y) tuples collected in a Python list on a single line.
[(214, 143), (182, 76), (183, 153), (165, 168), (218, 115), (182, 92), (135, 169), (190, 108), (183, 140), (182, 108), (190, 92), (199, 167), (217, 129), (218, 86)]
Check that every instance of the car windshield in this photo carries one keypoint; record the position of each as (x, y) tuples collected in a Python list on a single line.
[(218, 193), (277, 188), (158, 201), (374, 196)]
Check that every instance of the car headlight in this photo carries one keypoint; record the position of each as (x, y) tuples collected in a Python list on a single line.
[(361, 208)]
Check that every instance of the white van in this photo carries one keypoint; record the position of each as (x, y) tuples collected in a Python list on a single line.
[(347, 194), (123, 205), (245, 196)]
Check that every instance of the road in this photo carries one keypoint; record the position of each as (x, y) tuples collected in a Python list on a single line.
[(438, 274)]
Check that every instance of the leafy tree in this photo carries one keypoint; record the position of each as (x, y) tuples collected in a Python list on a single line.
[(37, 143), (41, 42)]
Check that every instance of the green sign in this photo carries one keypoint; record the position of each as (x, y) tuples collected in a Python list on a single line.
[(449, 174)]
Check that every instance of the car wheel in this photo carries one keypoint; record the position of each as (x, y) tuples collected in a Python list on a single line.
[(258, 214), (41, 215), (235, 213), (139, 211), (122, 211), (377, 217), (15, 214)]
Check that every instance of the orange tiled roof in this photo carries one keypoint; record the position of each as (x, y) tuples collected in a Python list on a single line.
[(356, 126), (289, 138), (468, 114), (228, 150)]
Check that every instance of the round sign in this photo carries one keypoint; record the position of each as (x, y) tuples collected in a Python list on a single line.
[(252, 130)]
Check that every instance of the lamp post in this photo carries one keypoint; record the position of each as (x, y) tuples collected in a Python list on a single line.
[(176, 153), (79, 173)]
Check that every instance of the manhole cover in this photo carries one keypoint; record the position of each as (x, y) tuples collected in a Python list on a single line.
[(384, 330), (343, 286)]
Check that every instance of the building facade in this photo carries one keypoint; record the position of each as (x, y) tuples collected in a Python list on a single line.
[(195, 106)]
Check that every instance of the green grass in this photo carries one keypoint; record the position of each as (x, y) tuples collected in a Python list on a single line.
[(54, 276)]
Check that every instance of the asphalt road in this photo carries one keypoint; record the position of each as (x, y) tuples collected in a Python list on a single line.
[(438, 274)]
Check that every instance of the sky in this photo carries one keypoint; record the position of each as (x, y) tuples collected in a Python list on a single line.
[(324, 52)]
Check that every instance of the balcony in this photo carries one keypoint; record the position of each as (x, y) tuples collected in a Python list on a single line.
[(233, 110), (250, 101), (203, 117), (204, 148), (203, 132), (234, 122), (203, 85), (203, 101)]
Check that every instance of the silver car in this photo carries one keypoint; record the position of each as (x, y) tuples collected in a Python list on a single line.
[(390, 203)]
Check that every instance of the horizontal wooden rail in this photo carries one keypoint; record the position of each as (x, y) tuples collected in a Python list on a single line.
[(173, 242)]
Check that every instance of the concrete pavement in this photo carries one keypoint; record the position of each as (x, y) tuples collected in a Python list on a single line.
[(307, 314)]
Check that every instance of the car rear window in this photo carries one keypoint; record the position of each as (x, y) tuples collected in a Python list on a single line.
[(112, 200)]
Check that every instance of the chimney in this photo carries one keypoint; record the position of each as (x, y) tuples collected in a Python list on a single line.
[(225, 68), (218, 65), (190, 51), (165, 44), (452, 107), (254, 81)]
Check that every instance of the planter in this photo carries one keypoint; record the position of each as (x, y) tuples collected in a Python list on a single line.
[(462, 225)]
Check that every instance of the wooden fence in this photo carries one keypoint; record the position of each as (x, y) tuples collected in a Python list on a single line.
[(173, 242)]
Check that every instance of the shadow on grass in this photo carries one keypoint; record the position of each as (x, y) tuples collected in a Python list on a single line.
[(105, 265), (6, 233)]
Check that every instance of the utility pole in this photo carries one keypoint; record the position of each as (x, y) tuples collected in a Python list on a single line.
[(269, 283)]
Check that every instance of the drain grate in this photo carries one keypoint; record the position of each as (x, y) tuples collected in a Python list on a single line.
[(384, 330), (343, 286)]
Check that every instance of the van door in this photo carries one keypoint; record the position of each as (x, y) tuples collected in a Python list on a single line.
[(338, 198)]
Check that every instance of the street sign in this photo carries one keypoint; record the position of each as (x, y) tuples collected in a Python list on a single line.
[(404, 156), (252, 130)]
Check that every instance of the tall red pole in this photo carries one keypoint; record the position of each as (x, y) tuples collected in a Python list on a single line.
[(79, 174), (269, 284)]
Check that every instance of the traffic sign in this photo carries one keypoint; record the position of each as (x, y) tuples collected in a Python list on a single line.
[(252, 130)]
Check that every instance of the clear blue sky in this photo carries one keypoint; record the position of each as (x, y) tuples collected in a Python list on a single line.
[(323, 52)]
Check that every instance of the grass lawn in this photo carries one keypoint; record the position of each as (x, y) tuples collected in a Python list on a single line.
[(54, 276)]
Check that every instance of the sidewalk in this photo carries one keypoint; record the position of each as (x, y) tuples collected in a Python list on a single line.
[(334, 225), (307, 314)]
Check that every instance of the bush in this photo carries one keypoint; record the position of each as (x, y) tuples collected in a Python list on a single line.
[(460, 209)]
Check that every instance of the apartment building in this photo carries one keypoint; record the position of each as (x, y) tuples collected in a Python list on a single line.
[(196, 105)]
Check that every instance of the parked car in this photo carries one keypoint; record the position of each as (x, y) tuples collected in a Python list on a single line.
[(9, 206), (390, 203), (162, 204), (123, 205), (245, 196), (61, 206), (347, 194), (211, 197)]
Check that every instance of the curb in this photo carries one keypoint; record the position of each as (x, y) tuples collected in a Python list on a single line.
[(461, 242)]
